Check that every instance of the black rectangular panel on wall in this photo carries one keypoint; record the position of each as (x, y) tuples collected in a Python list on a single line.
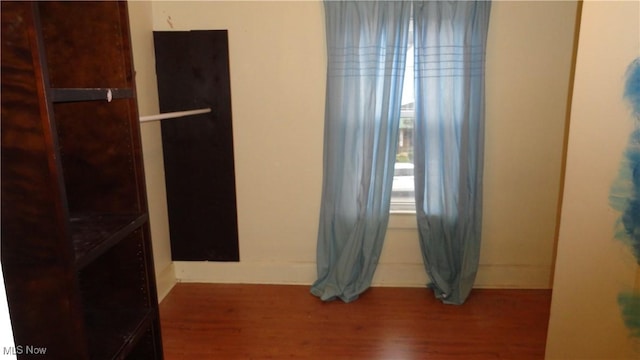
[(192, 68)]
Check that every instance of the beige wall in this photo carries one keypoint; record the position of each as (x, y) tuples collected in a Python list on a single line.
[(591, 267), (529, 55), (278, 63), (141, 23)]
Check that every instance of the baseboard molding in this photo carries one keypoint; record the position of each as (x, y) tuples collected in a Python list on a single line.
[(245, 272), (165, 281), (513, 276), (401, 275)]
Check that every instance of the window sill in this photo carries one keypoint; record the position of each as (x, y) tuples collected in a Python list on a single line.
[(402, 220)]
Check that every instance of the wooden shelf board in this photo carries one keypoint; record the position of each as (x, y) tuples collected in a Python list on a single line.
[(113, 333), (94, 234)]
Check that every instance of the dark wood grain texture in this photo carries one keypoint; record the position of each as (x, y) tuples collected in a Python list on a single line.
[(76, 247), (37, 261), (193, 73), (216, 321)]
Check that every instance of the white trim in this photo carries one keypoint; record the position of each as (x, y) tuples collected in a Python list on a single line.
[(513, 276), (165, 280), (505, 276), (245, 273)]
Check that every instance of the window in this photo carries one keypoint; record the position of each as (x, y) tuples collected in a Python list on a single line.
[(403, 191)]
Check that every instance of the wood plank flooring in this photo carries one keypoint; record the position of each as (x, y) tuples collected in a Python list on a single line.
[(216, 321)]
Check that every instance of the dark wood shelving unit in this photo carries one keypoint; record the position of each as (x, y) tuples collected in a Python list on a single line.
[(76, 246)]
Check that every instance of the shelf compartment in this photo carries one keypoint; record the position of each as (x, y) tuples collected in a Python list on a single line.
[(60, 95), (86, 44), (114, 334), (100, 156), (116, 296), (92, 235), (147, 346)]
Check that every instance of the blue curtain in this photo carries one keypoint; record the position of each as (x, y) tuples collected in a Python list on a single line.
[(366, 48), (450, 41)]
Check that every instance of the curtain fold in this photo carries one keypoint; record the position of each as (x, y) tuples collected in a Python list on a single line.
[(366, 48), (450, 41)]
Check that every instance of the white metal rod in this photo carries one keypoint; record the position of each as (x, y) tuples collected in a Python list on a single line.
[(175, 114)]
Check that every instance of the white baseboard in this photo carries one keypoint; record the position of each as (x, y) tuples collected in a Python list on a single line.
[(401, 275), (165, 281), (513, 276), (245, 272)]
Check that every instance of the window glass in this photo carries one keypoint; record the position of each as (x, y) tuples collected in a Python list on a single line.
[(403, 191)]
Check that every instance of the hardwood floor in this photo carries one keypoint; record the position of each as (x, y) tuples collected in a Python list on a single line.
[(216, 321)]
